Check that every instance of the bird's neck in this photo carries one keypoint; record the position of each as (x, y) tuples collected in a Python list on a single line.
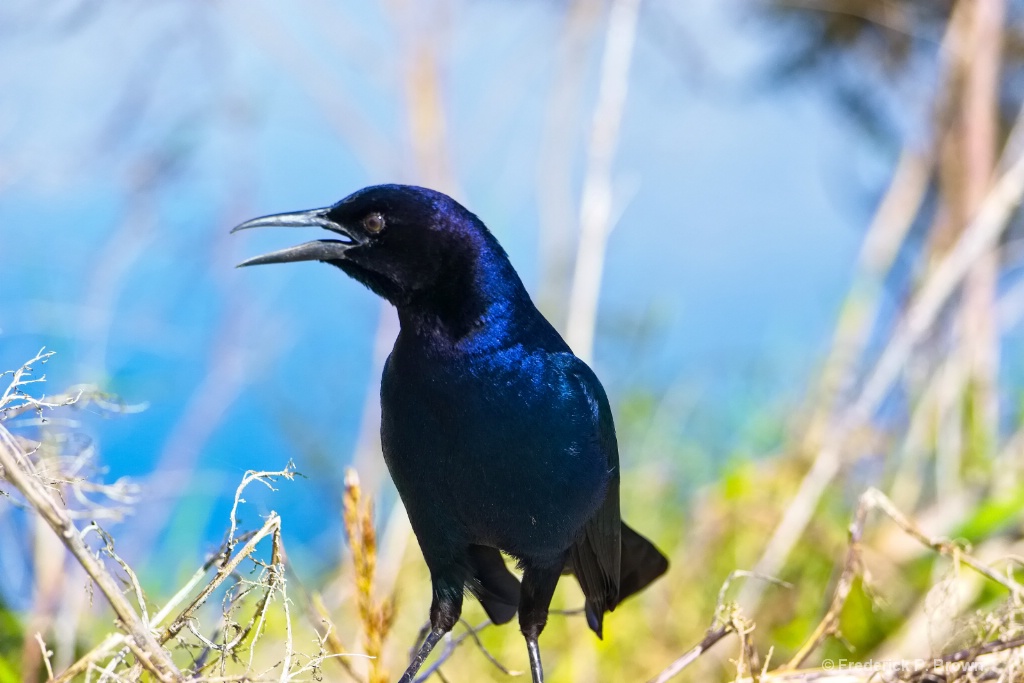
[(475, 308)]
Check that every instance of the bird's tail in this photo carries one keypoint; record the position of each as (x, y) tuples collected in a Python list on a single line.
[(640, 564)]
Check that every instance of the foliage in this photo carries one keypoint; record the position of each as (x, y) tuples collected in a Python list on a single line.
[(11, 639)]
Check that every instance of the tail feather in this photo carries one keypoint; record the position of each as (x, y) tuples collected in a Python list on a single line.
[(498, 590), (640, 564)]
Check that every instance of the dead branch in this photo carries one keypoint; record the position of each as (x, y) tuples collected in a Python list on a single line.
[(270, 526), (851, 567), (878, 500), (141, 641), (728, 619), (983, 661), (40, 477), (227, 563), (116, 640), (675, 668)]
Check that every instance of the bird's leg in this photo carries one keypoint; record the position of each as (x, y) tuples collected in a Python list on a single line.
[(420, 635), (538, 587), (432, 639), (536, 670), (444, 614)]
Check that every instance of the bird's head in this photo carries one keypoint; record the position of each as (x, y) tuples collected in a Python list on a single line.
[(405, 243)]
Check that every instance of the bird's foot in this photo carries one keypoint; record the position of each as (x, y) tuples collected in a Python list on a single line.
[(420, 635), (536, 670), (421, 656)]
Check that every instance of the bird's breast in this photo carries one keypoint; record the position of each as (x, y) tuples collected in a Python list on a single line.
[(502, 442)]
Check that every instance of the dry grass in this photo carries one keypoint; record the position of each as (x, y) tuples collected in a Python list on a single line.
[(232, 619), (995, 651), (376, 615), (190, 636), (215, 628)]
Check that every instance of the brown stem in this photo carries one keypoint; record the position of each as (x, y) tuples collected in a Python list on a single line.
[(142, 643)]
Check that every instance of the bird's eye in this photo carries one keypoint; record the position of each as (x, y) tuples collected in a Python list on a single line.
[(373, 223)]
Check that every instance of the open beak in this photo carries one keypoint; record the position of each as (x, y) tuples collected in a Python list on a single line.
[(319, 250)]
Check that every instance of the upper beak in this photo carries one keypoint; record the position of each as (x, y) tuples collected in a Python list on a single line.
[(319, 250)]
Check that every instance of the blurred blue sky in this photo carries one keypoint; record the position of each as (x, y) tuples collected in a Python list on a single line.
[(133, 136)]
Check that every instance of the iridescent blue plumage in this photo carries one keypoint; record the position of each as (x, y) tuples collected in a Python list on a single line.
[(497, 437)]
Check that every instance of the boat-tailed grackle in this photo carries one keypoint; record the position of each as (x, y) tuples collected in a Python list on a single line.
[(498, 438)]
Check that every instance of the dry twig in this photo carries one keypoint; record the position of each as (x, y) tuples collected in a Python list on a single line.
[(989, 659), (19, 472)]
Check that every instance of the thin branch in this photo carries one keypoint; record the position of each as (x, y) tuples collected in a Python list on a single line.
[(474, 633), (690, 656), (879, 501), (914, 669), (117, 639), (46, 655), (141, 641), (266, 478), (271, 525), (851, 567)]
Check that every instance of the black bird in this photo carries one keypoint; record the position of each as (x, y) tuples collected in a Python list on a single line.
[(498, 438)]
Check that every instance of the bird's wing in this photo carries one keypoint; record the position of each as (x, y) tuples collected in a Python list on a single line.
[(492, 583), (596, 556)]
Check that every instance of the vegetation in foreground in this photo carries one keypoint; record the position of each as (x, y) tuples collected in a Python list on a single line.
[(868, 593)]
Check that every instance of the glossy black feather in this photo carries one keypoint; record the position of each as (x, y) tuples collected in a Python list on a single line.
[(493, 584)]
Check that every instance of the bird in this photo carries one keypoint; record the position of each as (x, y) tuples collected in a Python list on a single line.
[(498, 438)]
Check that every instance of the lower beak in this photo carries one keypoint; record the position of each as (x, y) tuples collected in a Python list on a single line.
[(319, 250)]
